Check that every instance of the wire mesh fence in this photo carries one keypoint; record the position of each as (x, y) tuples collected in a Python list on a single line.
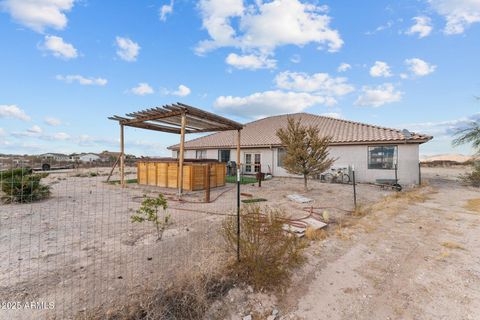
[(74, 248)]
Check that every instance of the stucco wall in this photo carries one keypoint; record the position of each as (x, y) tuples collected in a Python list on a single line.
[(408, 158)]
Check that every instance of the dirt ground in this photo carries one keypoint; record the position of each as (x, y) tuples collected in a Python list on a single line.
[(79, 249), (407, 259), (404, 260)]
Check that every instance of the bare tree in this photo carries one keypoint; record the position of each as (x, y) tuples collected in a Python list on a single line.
[(306, 152)]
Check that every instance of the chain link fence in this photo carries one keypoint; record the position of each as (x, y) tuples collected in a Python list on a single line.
[(77, 250)]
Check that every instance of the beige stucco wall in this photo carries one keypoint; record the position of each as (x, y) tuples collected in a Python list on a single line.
[(408, 158)]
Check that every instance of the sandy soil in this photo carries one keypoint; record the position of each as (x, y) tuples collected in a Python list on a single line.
[(419, 261), (79, 249)]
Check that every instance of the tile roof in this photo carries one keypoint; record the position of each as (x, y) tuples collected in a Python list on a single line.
[(262, 133)]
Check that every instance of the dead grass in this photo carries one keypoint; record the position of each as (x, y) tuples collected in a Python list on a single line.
[(189, 296), (315, 235), (473, 205), (453, 245)]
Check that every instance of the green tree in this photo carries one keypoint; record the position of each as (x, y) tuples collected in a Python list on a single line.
[(149, 211), (22, 185), (470, 134), (306, 152)]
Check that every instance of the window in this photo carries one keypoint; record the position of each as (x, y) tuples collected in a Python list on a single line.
[(201, 154), (382, 157), (224, 155), (252, 162), (281, 153)]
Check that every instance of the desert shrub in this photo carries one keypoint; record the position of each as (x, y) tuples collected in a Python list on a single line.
[(472, 178), (189, 296), (149, 211), (22, 185), (268, 254)]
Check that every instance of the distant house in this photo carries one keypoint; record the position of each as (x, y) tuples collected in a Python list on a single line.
[(55, 156), (372, 150), (88, 157)]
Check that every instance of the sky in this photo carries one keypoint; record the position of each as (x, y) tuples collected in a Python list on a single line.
[(67, 65)]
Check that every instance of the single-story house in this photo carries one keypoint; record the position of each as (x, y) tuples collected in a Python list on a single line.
[(88, 157), (372, 150)]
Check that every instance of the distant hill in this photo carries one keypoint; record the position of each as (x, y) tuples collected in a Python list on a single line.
[(450, 157)]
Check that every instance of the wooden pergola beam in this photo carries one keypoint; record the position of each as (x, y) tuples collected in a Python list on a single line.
[(179, 119), (153, 116)]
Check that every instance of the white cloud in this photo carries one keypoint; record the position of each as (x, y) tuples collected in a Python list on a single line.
[(296, 58), (182, 91), (166, 10), (54, 122), (82, 80), (2, 132), (39, 14), (262, 104), (12, 111), (380, 69), (343, 67), (127, 49), (142, 89), (35, 129), (383, 27), (250, 61), (419, 67), (264, 26), (59, 48), (60, 136), (459, 14), (442, 130), (422, 27), (335, 115), (378, 96), (321, 83)]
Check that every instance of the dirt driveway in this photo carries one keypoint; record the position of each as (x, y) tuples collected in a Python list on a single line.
[(408, 261)]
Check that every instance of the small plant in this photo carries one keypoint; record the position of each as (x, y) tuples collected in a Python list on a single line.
[(22, 185), (149, 211), (268, 253)]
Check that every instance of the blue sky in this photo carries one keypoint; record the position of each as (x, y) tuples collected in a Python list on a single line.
[(67, 65)]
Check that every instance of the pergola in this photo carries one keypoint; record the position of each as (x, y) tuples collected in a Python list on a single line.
[(176, 118)]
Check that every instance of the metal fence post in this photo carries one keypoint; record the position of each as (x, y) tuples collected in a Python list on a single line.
[(354, 188), (238, 213)]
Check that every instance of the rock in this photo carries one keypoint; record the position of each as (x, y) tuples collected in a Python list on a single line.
[(271, 317), (249, 317), (274, 312)]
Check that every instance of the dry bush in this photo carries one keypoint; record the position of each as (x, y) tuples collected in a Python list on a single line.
[(268, 254), (473, 205), (452, 245), (472, 178), (315, 235), (188, 297), (361, 211)]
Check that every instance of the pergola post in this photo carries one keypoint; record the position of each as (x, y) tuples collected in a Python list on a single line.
[(238, 150), (181, 155), (122, 156)]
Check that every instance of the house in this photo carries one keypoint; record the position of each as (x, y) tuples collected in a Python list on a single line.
[(372, 150), (88, 157)]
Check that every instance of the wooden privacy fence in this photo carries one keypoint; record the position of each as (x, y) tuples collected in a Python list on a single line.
[(165, 174)]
